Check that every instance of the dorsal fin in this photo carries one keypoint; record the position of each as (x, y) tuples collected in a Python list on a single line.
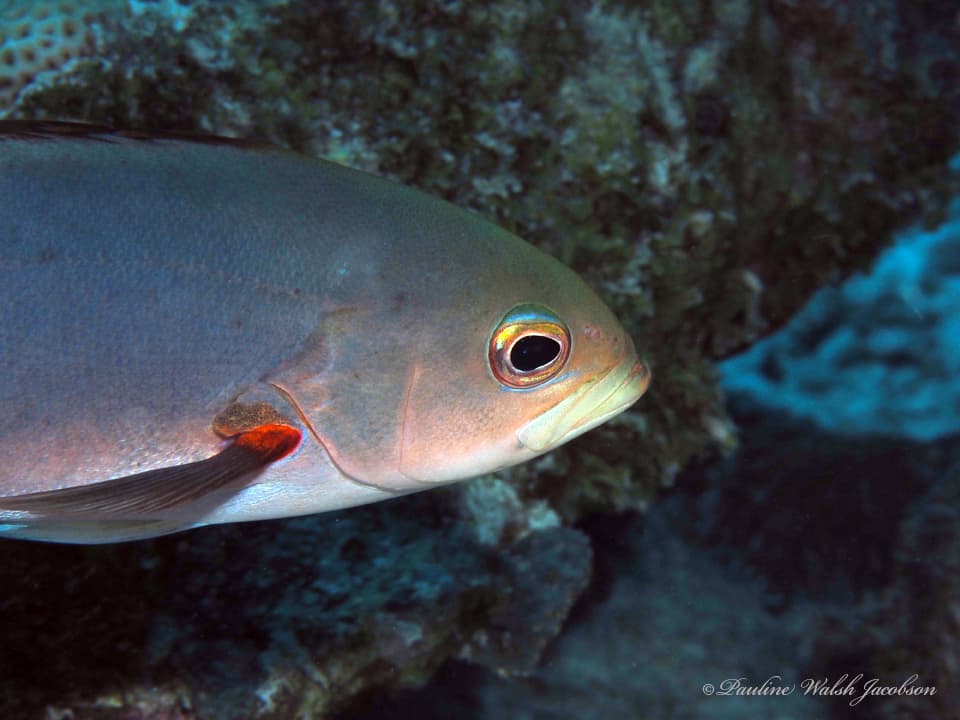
[(55, 129)]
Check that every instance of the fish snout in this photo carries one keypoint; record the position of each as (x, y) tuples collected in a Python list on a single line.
[(596, 402)]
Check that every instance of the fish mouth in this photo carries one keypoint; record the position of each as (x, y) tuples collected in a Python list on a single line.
[(593, 404)]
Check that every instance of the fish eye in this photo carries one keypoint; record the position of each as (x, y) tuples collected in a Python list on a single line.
[(529, 346)]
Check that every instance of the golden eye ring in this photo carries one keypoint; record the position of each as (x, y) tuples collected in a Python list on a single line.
[(529, 346)]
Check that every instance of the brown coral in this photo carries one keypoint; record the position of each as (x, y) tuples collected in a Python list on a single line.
[(38, 37)]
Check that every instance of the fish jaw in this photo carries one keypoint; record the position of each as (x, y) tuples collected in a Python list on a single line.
[(593, 404)]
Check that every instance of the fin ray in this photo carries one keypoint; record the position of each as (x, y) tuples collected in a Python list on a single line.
[(155, 491), (34, 130), (81, 531)]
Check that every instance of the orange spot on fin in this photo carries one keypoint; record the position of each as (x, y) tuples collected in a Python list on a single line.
[(270, 442)]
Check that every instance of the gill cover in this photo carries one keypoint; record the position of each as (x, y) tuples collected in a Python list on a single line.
[(424, 401)]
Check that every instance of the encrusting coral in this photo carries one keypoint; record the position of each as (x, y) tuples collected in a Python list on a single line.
[(877, 355), (45, 39), (706, 166)]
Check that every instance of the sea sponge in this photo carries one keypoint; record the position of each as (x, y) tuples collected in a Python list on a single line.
[(38, 37), (877, 355)]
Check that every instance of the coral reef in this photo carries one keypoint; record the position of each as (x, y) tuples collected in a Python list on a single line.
[(41, 41), (805, 556), (706, 166), (845, 487), (852, 411), (877, 355), (667, 619), (673, 618), (274, 620)]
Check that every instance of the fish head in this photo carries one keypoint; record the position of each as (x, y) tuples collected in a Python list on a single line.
[(532, 376), (467, 375)]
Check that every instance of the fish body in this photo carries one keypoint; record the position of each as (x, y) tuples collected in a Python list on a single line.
[(164, 302)]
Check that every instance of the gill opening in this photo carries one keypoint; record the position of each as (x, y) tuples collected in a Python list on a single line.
[(300, 413), (288, 396)]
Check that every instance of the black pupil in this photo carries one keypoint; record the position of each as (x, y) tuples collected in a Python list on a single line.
[(533, 351)]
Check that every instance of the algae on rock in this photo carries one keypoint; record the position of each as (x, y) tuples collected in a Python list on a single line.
[(706, 166), (270, 620)]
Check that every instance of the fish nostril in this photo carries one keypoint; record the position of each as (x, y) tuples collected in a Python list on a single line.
[(643, 374), (592, 333), (640, 369)]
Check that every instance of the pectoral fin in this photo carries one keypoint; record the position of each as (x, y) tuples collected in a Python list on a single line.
[(154, 491), (79, 530)]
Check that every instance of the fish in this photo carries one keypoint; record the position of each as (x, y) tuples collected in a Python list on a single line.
[(199, 330)]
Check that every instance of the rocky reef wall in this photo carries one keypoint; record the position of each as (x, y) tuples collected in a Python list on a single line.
[(706, 166)]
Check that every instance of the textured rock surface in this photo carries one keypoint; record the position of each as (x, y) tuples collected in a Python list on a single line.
[(806, 555), (706, 166), (273, 620), (673, 618), (40, 41)]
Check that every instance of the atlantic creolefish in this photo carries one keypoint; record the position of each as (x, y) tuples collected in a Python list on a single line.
[(198, 331)]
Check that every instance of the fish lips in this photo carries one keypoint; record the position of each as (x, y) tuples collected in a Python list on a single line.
[(593, 404)]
